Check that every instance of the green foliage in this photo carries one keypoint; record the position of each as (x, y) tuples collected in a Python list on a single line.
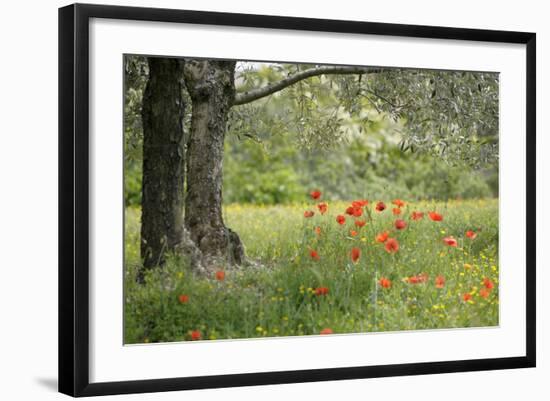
[(278, 298), (135, 76), (368, 166), (252, 174), (411, 133), (449, 114), (401, 132), (279, 172), (310, 109), (132, 185)]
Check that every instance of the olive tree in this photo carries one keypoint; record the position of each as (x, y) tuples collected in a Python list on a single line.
[(190, 105)]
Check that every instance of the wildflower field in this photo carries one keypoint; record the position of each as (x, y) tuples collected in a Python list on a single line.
[(325, 267)]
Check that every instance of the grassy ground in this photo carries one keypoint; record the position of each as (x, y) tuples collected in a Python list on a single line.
[(425, 284)]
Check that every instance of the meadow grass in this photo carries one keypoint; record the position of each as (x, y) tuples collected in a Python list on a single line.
[(279, 293)]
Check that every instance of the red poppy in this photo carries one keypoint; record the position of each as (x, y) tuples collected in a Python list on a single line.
[(323, 207), (382, 237), (220, 275), (341, 219), (484, 292), (354, 211), (488, 283), (435, 216), (309, 213), (384, 282), (400, 224), (391, 245), (317, 230), (450, 241), (360, 203), (398, 202), (419, 278), (471, 234), (439, 281), (355, 254), (326, 331), (417, 215), (314, 255), (396, 211), (466, 297), (353, 233), (360, 223), (380, 206), (319, 291), (183, 298), (196, 335), (315, 194)]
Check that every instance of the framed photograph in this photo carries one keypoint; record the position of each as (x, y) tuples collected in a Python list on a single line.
[(251, 199)]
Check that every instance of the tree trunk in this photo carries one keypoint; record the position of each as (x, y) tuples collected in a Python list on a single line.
[(211, 86), (163, 161)]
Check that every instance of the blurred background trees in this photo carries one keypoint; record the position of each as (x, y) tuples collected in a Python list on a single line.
[(414, 134)]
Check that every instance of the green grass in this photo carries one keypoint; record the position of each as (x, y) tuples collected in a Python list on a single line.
[(276, 296)]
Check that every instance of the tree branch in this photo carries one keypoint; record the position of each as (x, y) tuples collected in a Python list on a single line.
[(255, 94)]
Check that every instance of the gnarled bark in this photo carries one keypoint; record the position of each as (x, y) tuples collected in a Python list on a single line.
[(163, 161), (211, 86)]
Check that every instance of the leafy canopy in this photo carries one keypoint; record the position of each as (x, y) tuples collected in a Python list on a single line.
[(452, 114)]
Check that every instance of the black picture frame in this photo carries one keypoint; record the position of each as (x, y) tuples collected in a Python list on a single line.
[(74, 198)]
